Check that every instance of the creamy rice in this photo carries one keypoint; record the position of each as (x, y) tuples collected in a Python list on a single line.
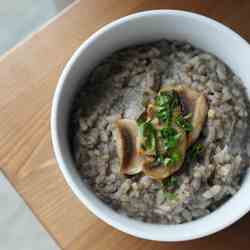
[(115, 88)]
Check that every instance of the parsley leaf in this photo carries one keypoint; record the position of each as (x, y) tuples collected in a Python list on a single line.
[(148, 133), (170, 137), (168, 99), (164, 116), (183, 123), (175, 157), (167, 161), (170, 182), (142, 118), (166, 103), (167, 132), (195, 151), (169, 185), (170, 195), (188, 116)]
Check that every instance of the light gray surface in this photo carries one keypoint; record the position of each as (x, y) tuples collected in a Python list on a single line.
[(18, 18), (19, 228)]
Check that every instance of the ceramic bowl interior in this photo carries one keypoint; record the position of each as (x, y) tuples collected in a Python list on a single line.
[(143, 27)]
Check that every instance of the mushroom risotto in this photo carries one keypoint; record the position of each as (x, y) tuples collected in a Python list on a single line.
[(160, 132)]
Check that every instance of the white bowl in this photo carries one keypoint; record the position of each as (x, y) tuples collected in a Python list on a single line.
[(200, 31)]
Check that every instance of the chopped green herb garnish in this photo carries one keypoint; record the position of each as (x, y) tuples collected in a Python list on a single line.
[(170, 160), (163, 142), (167, 132), (160, 159), (141, 119), (167, 161), (168, 99), (164, 116), (195, 151), (170, 137), (170, 182), (170, 195), (161, 100), (188, 116), (172, 141), (178, 136), (183, 123), (148, 133), (168, 186), (175, 157), (166, 102)]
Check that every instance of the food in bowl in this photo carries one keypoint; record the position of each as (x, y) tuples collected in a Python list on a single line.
[(160, 132), (156, 142)]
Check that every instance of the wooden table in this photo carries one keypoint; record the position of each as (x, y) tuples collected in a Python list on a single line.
[(28, 76)]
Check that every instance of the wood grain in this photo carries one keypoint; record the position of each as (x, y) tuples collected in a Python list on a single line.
[(28, 77)]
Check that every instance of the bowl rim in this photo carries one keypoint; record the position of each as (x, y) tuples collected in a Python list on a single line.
[(70, 179)]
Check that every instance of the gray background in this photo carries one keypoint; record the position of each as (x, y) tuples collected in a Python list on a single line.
[(18, 18)]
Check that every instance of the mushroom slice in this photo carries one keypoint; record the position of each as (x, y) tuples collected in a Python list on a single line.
[(161, 172), (191, 102), (127, 143), (198, 118)]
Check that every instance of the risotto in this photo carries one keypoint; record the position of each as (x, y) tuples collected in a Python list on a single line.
[(160, 132)]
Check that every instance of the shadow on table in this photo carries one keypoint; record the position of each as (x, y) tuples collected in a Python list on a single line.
[(235, 237)]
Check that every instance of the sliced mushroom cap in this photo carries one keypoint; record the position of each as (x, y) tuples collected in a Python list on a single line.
[(198, 118), (161, 172), (127, 143), (194, 102), (133, 160)]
